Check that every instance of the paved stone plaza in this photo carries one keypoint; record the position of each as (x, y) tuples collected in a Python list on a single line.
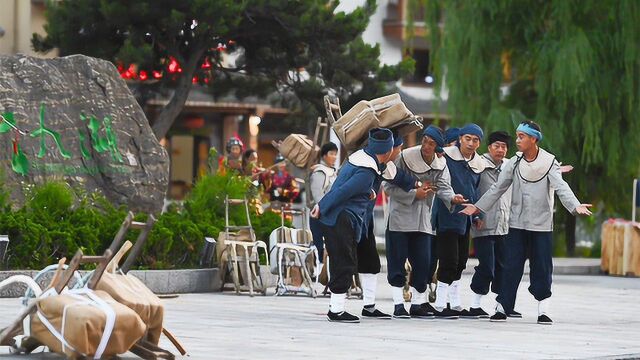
[(595, 317)]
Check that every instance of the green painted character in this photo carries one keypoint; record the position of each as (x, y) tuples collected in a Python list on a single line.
[(43, 131), (112, 140), (19, 162), (108, 142)]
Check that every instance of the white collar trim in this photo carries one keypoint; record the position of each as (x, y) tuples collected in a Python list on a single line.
[(537, 169), (362, 159), (322, 167), (477, 164), (412, 158)]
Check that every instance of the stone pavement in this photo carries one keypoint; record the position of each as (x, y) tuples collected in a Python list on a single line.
[(596, 317)]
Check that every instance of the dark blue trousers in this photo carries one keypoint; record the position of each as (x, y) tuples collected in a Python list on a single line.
[(414, 246), (490, 254), (518, 246), (434, 262), (316, 230)]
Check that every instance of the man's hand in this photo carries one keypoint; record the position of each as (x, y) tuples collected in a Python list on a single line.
[(458, 199), (479, 224), (583, 209), (423, 192), (372, 195), (315, 212), (469, 209), (565, 168)]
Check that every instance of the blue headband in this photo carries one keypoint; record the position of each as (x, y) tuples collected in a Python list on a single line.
[(527, 129)]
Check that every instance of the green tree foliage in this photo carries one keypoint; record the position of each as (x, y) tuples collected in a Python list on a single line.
[(298, 48), (573, 66)]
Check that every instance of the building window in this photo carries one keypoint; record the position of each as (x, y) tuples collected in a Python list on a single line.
[(421, 75)]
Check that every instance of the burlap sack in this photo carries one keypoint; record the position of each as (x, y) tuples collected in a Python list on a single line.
[(302, 237), (242, 235), (279, 235), (385, 102), (408, 126), (353, 127), (299, 150), (84, 326), (130, 291), (393, 115)]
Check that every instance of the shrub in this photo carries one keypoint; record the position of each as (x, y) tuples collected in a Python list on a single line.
[(56, 220)]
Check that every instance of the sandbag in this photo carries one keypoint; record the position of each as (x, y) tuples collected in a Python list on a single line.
[(130, 291), (385, 102), (302, 237), (88, 330), (353, 127), (242, 235), (299, 150), (394, 114), (408, 126), (389, 111), (281, 234)]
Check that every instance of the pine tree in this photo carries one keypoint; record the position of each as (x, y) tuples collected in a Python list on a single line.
[(301, 48)]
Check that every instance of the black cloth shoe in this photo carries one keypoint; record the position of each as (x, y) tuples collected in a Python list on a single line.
[(514, 314), (375, 314), (399, 312), (343, 317), (478, 313), (429, 308), (544, 320), (467, 314), (420, 312), (498, 317), (447, 314)]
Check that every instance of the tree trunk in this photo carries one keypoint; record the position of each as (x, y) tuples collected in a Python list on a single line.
[(570, 234), (169, 113)]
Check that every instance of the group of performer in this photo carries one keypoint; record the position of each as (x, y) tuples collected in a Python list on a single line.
[(442, 193), (278, 183)]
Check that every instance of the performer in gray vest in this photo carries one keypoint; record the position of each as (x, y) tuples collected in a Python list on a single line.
[(535, 176), (322, 177), (409, 230), (489, 233)]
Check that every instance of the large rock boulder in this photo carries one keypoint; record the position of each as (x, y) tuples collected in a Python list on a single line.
[(79, 122)]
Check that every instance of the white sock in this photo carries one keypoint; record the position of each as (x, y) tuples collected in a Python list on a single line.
[(418, 298), (398, 298), (476, 301), (442, 293), (368, 283), (454, 295), (336, 304), (499, 308), (543, 307)]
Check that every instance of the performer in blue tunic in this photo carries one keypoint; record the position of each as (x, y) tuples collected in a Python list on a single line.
[(452, 240), (342, 213), (368, 257)]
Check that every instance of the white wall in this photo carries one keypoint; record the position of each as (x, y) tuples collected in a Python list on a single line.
[(390, 49)]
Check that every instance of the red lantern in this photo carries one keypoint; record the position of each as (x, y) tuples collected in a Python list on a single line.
[(174, 66)]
